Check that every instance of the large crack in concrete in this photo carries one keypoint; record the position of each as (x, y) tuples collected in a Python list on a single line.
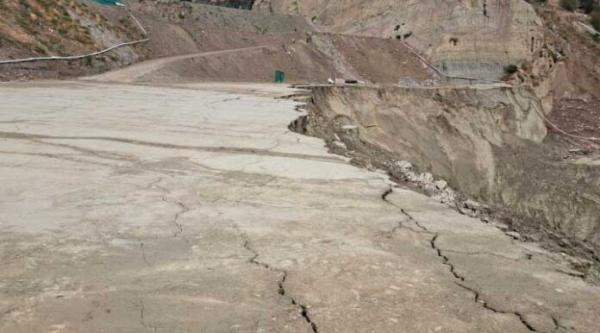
[(142, 320), (452, 269), (143, 252), (303, 309), (183, 208), (63, 157), (210, 149)]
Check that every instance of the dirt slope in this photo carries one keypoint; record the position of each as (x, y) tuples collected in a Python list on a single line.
[(566, 75), (474, 38), (181, 28), (489, 143), (303, 60), (304, 54), (34, 28)]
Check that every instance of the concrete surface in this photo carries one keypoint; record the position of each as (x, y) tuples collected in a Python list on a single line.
[(178, 209)]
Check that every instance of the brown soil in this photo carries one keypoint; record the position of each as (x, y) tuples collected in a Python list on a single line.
[(380, 60), (576, 93), (578, 117), (180, 28), (580, 51), (36, 28)]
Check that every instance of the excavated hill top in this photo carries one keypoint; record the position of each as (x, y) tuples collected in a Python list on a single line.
[(475, 38)]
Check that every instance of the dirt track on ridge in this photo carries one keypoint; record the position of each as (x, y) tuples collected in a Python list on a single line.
[(134, 72)]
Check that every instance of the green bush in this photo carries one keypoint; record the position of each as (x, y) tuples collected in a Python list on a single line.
[(569, 5), (595, 19), (588, 6), (511, 69)]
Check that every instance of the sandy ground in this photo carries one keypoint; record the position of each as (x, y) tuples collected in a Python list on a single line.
[(130, 208)]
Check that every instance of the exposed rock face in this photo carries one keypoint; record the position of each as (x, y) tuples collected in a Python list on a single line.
[(468, 38), (577, 72), (486, 142)]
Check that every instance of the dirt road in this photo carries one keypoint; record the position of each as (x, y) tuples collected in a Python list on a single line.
[(134, 72), (181, 209)]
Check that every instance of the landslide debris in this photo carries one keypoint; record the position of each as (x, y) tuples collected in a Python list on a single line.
[(489, 143)]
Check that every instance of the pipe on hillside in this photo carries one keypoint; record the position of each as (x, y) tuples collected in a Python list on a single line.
[(93, 54), (77, 57)]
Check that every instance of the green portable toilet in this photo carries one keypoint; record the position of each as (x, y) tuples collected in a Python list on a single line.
[(279, 76)]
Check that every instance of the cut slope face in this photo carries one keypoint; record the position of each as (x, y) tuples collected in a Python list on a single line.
[(208, 37), (476, 38), (182, 27), (290, 44), (304, 59)]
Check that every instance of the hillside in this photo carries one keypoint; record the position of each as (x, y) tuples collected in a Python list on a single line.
[(182, 28), (299, 166), (552, 49), (36, 28), (472, 38)]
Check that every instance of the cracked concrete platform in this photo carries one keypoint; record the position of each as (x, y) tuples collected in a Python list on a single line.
[(179, 209)]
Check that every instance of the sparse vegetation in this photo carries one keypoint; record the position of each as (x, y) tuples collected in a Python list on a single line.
[(588, 6), (570, 5), (50, 25), (511, 69), (39, 49), (555, 57), (595, 19)]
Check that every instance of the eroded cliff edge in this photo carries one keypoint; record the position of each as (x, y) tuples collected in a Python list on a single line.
[(490, 143)]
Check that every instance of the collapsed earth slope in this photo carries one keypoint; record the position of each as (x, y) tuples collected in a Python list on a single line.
[(488, 142)]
